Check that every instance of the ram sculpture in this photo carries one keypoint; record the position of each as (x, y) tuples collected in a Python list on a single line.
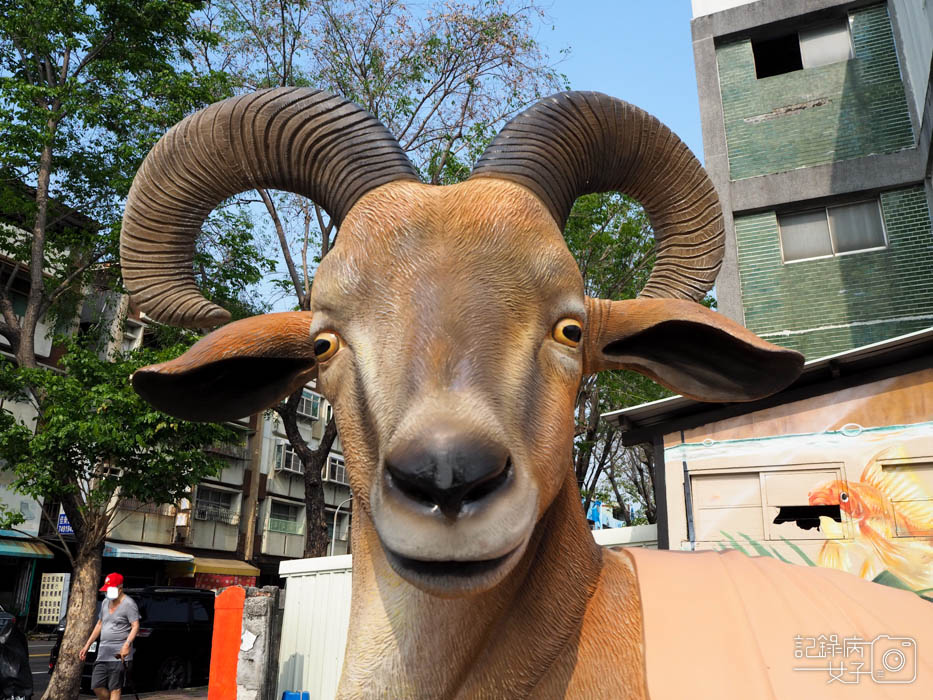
[(450, 331)]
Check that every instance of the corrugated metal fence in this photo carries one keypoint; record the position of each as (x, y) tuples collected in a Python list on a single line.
[(317, 614), (314, 628)]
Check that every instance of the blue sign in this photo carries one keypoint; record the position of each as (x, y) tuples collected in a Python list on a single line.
[(64, 527)]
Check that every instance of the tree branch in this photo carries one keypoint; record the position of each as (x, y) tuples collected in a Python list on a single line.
[(93, 53), (283, 241)]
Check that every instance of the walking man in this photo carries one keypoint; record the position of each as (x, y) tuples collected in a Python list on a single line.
[(117, 627)]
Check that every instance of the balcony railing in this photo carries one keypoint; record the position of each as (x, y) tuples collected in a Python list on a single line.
[(218, 514), (288, 527), (231, 450)]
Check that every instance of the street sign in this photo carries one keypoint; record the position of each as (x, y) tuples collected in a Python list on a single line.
[(64, 527)]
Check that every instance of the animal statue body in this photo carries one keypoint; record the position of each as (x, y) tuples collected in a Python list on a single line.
[(450, 331)]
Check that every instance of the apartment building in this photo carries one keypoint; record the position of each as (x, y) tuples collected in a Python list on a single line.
[(233, 528), (816, 131), (237, 526)]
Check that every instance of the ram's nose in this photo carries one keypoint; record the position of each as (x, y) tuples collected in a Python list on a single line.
[(448, 468)]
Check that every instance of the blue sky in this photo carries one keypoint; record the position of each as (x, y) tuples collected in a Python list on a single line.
[(640, 51)]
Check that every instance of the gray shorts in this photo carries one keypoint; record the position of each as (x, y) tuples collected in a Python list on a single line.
[(108, 674)]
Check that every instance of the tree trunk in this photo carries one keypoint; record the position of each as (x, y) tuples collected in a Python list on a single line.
[(317, 542), (313, 462), (82, 608), (24, 350)]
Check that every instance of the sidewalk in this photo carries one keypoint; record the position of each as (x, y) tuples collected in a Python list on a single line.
[(186, 694)]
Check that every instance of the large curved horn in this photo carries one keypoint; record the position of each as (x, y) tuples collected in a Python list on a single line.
[(576, 143), (297, 139)]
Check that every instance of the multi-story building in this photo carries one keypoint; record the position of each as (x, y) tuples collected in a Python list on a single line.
[(816, 131), (233, 528), (237, 526)]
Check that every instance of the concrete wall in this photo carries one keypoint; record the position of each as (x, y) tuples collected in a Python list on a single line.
[(914, 24), (824, 306), (819, 115), (708, 7)]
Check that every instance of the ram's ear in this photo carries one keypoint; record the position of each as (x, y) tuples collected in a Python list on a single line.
[(239, 369), (687, 348)]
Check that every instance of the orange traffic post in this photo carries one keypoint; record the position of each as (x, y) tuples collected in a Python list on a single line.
[(225, 645)]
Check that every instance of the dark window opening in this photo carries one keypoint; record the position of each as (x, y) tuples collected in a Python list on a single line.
[(807, 517), (777, 56)]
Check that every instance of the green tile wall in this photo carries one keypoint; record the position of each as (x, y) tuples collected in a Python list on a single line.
[(885, 285), (845, 110)]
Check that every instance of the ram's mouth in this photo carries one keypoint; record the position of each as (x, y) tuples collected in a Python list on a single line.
[(453, 577), (456, 556)]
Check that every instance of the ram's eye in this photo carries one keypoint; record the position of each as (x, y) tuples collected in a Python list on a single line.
[(325, 345), (569, 332)]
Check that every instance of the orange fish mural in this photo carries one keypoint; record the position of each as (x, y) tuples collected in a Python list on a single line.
[(883, 515)]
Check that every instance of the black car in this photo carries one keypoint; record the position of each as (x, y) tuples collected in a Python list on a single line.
[(15, 673), (173, 647)]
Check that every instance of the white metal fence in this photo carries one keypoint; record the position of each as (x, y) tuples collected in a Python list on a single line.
[(314, 628), (317, 613)]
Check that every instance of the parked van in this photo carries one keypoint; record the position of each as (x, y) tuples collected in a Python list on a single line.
[(173, 647)]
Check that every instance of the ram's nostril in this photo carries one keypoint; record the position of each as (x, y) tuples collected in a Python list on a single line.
[(446, 468), (483, 489), (410, 489)]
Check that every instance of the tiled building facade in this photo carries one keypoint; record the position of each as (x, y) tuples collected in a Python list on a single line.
[(816, 133)]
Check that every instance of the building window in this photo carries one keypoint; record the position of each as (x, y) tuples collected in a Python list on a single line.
[(336, 469), (310, 405), (216, 505), (132, 335), (343, 524), (285, 518), (910, 483), (821, 233), (808, 48), (287, 460)]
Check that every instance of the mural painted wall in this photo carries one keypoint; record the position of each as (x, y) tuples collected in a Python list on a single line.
[(843, 480)]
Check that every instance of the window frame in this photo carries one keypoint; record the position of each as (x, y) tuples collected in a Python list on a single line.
[(312, 398), (762, 471), (284, 452), (847, 20), (333, 456), (829, 229), (297, 527)]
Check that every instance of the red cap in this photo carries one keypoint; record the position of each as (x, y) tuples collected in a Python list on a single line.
[(113, 579)]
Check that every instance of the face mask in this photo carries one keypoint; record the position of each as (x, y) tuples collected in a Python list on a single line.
[(113, 592)]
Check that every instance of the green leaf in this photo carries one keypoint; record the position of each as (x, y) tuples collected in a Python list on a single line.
[(799, 551)]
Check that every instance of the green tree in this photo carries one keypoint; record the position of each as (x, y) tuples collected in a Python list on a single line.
[(612, 240), (85, 91), (95, 443), (443, 79)]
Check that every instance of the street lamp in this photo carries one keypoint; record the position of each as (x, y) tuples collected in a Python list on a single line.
[(333, 537)]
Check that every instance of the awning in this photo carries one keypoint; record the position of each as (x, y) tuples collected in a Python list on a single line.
[(19, 548), (123, 550), (231, 567)]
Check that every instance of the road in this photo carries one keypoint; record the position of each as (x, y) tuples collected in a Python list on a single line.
[(39, 663)]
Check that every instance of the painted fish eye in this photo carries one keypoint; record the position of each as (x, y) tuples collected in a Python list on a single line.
[(568, 331), (844, 497), (325, 345)]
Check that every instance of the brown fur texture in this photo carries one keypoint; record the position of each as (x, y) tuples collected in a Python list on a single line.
[(445, 315), (445, 303)]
